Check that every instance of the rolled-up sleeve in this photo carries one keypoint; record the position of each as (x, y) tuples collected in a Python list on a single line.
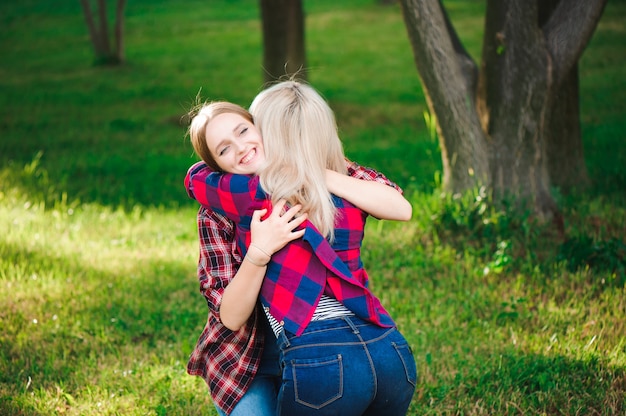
[(368, 174), (234, 196)]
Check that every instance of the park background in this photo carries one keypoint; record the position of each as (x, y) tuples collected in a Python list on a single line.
[(99, 303)]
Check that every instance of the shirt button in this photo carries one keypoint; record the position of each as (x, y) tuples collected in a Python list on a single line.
[(282, 323)]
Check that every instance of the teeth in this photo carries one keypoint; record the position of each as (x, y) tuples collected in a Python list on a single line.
[(248, 156)]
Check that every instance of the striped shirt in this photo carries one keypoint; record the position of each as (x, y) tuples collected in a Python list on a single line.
[(327, 308)]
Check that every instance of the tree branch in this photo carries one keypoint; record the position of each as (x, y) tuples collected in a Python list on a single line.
[(91, 26), (119, 30), (104, 28), (568, 32), (467, 64), (462, 141)]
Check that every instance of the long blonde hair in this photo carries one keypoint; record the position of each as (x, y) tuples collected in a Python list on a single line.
[(201, 116), (300, 141)]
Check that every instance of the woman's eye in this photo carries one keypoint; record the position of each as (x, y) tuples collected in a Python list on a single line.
[(223, 151), (243, 131)]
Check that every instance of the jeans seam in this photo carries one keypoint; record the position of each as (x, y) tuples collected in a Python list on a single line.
[(324, 344), (372, 367)]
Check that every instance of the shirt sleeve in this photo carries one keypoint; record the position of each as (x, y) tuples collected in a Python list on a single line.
[(218, 258), (231, 195), (361, 172)]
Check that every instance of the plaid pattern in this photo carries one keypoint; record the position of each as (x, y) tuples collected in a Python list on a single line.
[(300, 273), (227, 360)]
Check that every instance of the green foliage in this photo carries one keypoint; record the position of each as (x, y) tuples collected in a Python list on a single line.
[(602, 256), (474, 221), (467, 215), (99, 303)]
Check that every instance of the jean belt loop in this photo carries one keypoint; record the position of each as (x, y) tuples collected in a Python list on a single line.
[(348, 319), (284, 337)]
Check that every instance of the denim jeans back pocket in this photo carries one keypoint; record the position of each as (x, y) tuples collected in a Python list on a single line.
[(406, 356), (317, 382)]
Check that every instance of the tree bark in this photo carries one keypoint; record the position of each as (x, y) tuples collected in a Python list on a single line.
[(119, 31), (525, 121), (568, 32), (283, 39), (99, 32), (514, 99), (568, 27), (449, 96), (104, 28), (469, 69), (91, 26), (566, 159), (296, 56)]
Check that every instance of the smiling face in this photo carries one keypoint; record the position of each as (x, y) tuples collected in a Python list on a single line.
[(235, 144)]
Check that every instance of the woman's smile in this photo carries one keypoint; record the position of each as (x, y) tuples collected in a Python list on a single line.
[(235, 143), (247, 158)]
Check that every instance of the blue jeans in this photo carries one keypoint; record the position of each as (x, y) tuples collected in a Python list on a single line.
[(260, 398), (346, 366)]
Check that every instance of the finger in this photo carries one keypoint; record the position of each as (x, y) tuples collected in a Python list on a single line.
[(278, 208), (292, 212), (296, 222), (257, 214), (298, 234)]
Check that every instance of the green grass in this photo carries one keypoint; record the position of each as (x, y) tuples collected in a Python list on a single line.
[(99, 304)]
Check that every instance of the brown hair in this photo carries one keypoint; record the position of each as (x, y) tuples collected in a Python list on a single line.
[(201, 117)]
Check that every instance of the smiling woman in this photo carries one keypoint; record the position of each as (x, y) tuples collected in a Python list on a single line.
[(242, 373), (234, 141)]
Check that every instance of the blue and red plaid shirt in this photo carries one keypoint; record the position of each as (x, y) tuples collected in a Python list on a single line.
[(227, 360), (302, 271)]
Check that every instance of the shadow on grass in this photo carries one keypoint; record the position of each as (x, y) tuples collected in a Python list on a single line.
[(62, 329), (514, 383), (123, 178)]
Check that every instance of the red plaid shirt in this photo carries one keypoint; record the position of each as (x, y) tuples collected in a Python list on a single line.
[(229, 360)]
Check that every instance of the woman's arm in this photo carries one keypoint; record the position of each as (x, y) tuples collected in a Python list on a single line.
[(379, 200), (268, 236), (363, 172), (231, 285), (232, 195)]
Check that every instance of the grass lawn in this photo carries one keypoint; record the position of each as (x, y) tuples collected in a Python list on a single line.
[(99, 302)]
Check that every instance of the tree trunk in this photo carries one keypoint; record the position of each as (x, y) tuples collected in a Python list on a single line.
[(449, 97), (119, 31), (283, 39), (523, 131), (93, 30), (99, 32), (513, 101), (104, 28), (469, 68), (296, 55), (566, 162)]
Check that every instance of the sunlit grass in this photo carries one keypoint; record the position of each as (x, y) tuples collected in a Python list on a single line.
[(99, 303), (99, 309)]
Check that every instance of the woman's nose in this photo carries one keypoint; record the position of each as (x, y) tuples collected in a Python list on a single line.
[(240, 147)]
